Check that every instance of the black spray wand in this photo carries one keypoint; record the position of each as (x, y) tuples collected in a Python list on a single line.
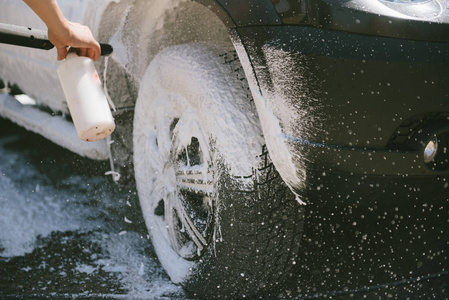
[(33, 38)]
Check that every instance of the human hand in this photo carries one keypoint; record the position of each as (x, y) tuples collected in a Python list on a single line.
[(76, 36)]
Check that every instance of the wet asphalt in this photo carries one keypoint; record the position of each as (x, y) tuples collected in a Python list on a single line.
[(68, 231)]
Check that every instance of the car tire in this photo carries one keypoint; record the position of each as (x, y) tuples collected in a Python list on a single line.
[(222, 222)]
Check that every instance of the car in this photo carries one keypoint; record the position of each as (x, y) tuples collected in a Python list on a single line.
[(275, 145)]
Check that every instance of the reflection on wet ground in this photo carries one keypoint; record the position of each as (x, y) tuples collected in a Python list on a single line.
[(67, 231)]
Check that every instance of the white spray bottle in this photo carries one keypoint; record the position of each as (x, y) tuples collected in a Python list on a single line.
[(85, 98)]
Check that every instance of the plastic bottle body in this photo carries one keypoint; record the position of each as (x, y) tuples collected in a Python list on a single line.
[(85, 97)]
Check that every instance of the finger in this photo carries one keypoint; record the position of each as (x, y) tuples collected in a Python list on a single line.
[(62, 53), (91, 54), (81, 51), (96, 51)]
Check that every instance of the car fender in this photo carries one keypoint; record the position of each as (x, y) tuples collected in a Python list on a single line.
[(243, 13)]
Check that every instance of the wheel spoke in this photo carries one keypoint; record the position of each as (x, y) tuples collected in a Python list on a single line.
[(169, 220), (193, 232), (196, 181)]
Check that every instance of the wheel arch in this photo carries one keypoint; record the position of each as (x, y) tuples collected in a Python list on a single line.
[(243, 13), (177, 22), (139, 30), (144, 28)]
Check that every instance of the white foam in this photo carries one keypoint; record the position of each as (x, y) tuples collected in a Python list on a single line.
[(29, 212), (32, 210)]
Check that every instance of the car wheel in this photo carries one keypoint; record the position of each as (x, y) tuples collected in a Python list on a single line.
[(220, 219)]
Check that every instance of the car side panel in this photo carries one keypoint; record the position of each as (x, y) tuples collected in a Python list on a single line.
[(244, 13)]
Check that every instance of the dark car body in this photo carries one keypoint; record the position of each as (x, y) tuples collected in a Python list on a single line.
[(373, 86), (370, 81)]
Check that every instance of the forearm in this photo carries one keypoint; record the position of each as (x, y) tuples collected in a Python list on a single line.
[(49, 12)]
